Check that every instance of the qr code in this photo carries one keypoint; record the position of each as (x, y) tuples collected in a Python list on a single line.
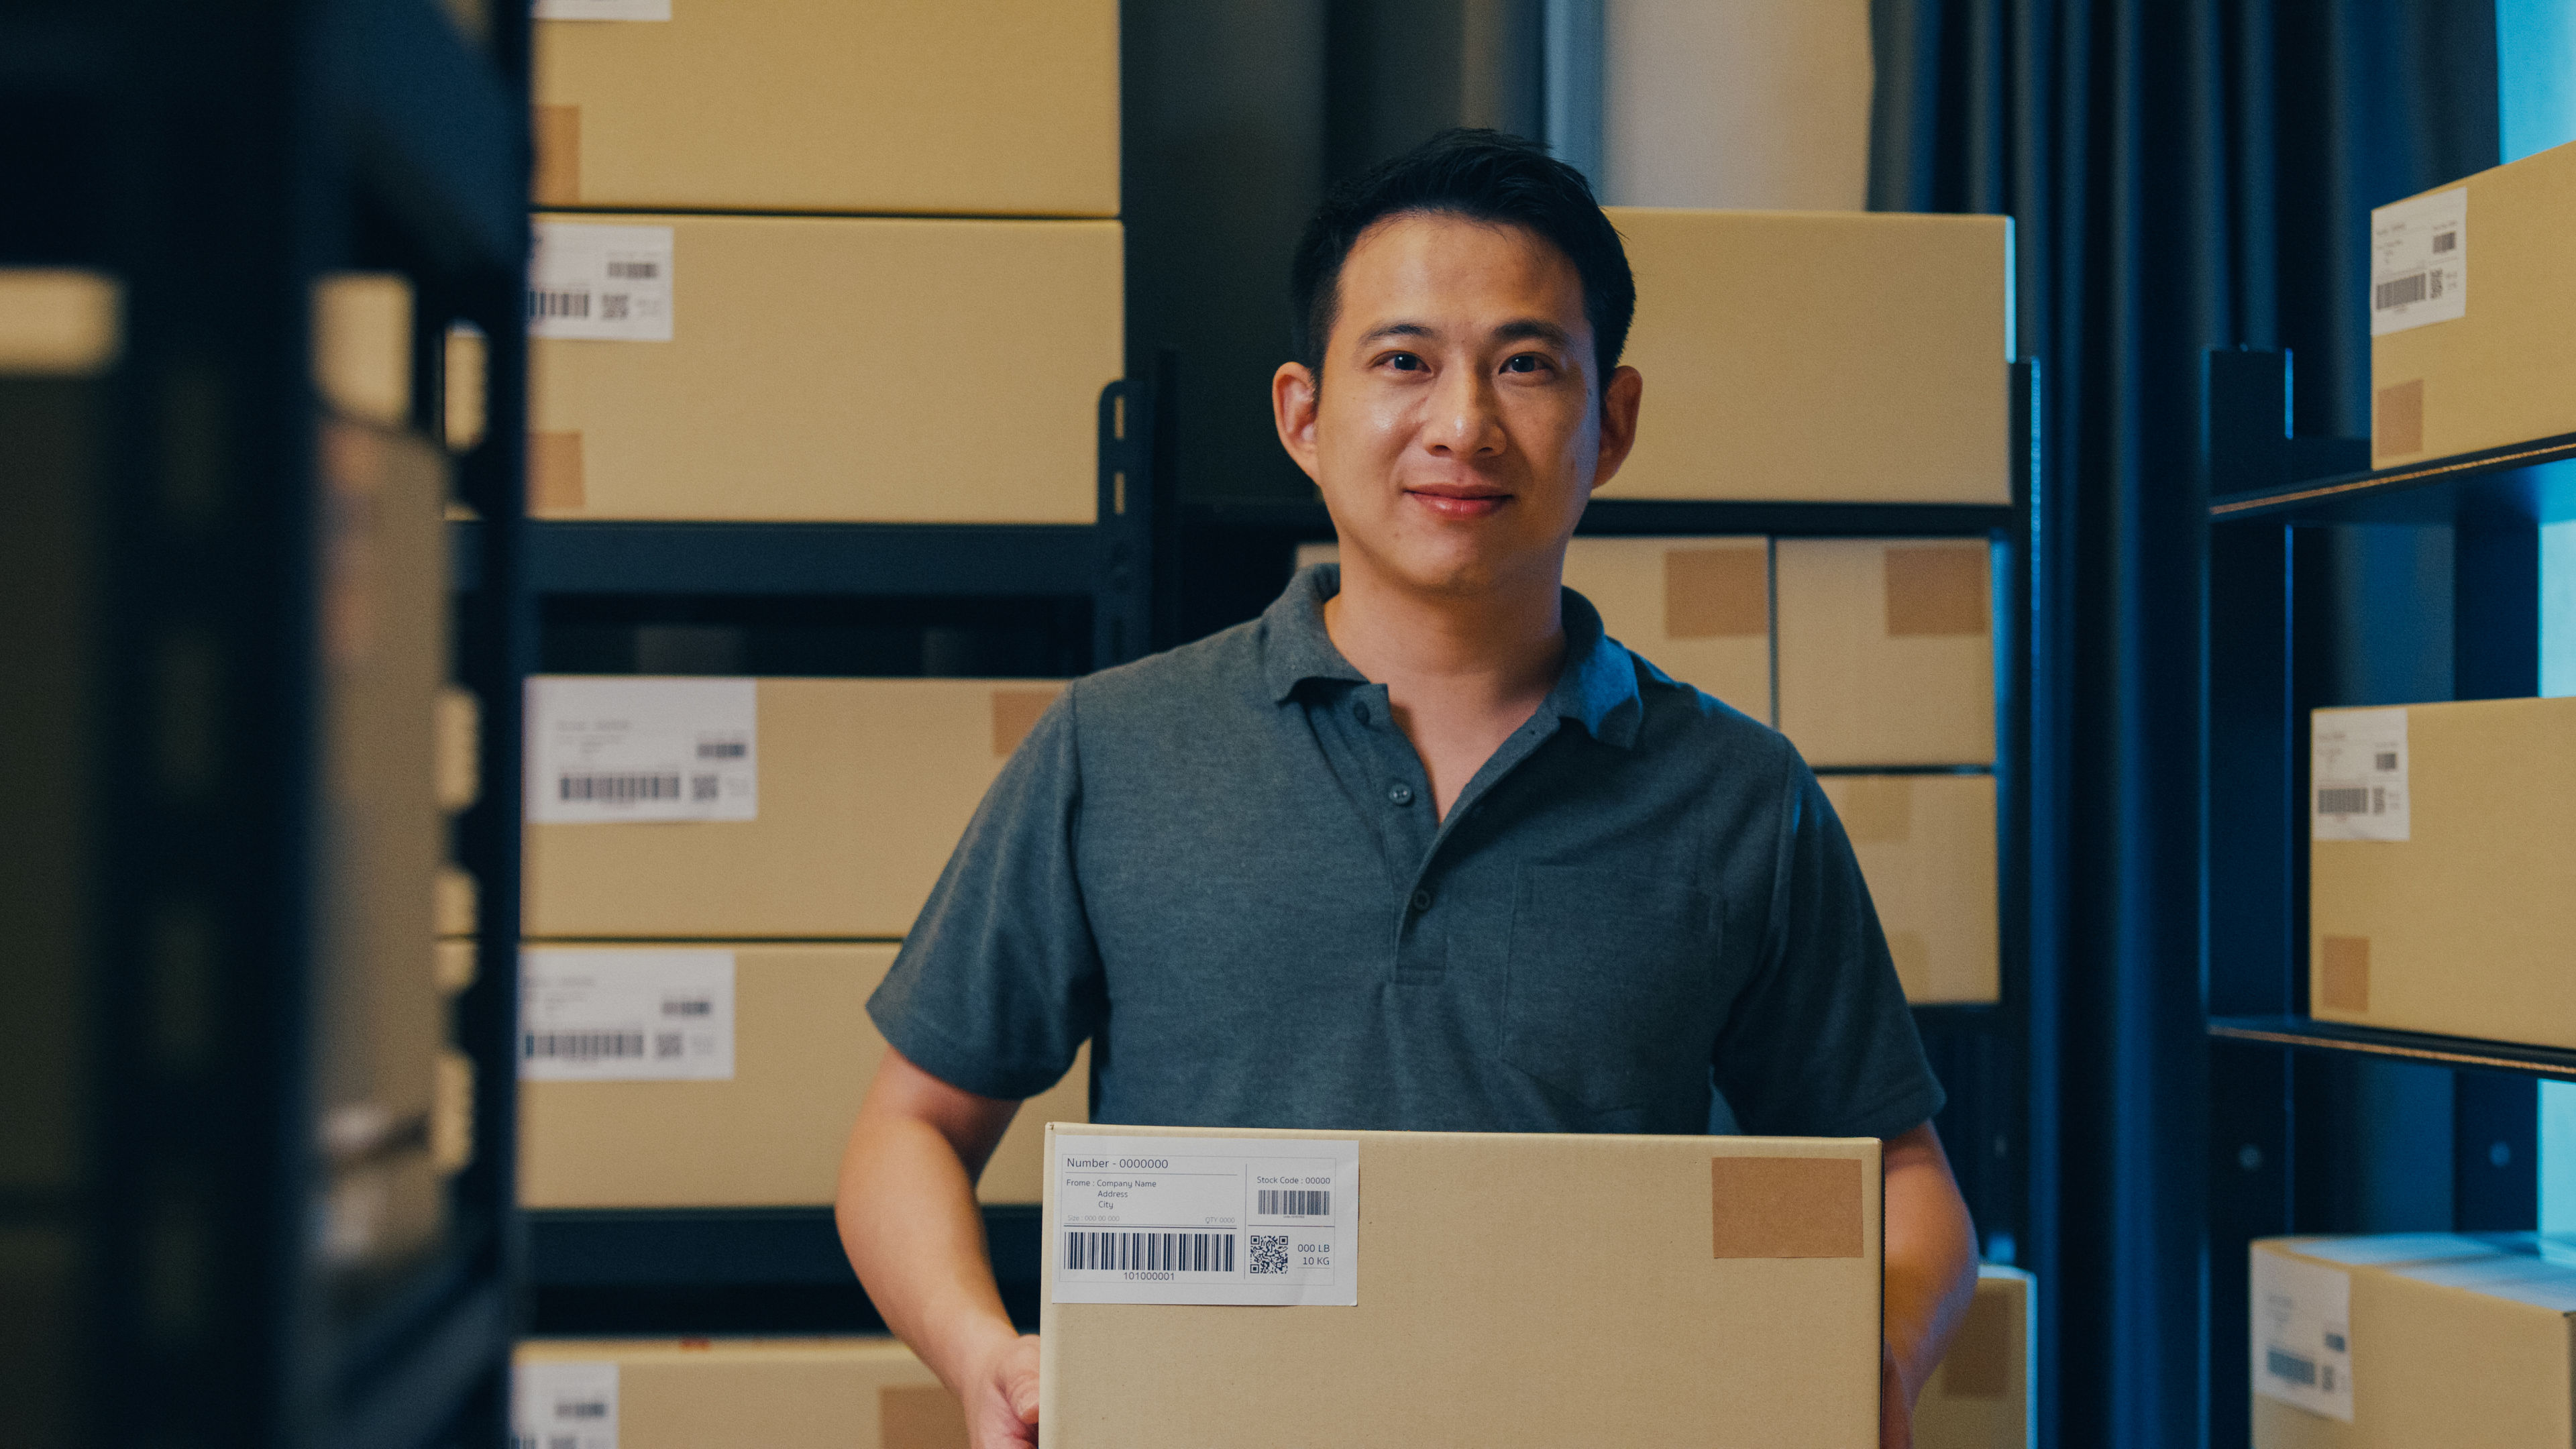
[(1269, 1254)]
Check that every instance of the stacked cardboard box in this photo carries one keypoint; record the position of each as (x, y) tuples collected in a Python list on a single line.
[(851, 343), (2410, 1339), (1982, 1396), (2472, 318), (717, 870), (1457, 1288), (778, 1393), (2441, 874)]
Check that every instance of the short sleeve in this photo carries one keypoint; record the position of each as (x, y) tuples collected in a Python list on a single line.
[(999, 983), (1821, 1043)]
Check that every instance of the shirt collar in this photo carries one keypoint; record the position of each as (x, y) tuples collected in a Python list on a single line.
[(1597, 688)]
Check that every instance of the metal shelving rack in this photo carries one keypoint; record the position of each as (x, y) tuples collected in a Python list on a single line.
[(2270, 641), (781, 1269), (215, 161), (1223, 562)]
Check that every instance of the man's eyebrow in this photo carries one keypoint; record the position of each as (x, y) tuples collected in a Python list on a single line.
[(1533, 329), (1396, 329)]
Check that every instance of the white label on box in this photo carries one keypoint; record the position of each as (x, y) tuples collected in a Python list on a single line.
[(614, 751), (2357, 775), (603, 10), (1248, 1220), (600, 283), (2302, 1335), (625, 1016), (563, 1406), (2419, 261)]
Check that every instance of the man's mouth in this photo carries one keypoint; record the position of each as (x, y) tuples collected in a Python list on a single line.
[(1459, 500)]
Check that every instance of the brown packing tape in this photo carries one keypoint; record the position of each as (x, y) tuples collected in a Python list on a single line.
[(1876, 809), (1015, 713), (557, 181), (2397, 419), (1936, 590), (2347, 973), (920, 1416), (1980, 1364), (1785, 1207), (555, 483), (1717, 593)]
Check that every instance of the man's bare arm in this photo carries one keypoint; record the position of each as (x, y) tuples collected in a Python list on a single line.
[(1931, 1272), (909, 1222)]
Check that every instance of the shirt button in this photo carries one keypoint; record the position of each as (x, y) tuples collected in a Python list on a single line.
[(1422, 900), (1360, 712), (1399, 794)]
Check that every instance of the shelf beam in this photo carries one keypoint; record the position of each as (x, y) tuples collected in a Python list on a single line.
[(2301, 1033)]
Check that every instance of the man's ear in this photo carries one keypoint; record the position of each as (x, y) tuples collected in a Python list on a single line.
[(1293, 399), (1619, 402)]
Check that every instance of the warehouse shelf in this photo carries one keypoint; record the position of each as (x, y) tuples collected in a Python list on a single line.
[(729, 1247), (2304, 1033), (419, 1396), (433, 126), (2507, 482)]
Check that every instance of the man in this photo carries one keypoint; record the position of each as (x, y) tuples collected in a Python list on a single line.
[(1418, 849)]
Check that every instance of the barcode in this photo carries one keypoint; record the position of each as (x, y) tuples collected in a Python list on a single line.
[(1150, 1252), (2400, 291), (558, 304), (2289, 1367), (667, 1044), (583, 1046), (2387, 759), (1294, 1203), (702, 787), (653, 269), (612, 307), (698, 1006), (2445, 241), (619, 789), (2343, 800), (723, 749)]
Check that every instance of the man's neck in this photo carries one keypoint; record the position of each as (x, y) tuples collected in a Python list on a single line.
[(1462, 671)]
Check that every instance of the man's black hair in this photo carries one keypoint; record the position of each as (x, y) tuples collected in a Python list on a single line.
[(1483, 176)]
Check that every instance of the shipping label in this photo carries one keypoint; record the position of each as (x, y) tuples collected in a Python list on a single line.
[(600, 283), (2302, 1334), (615, 750), (625, 1016), (1242, 1220), (602, 10), (2357, 775), (2419, 261), (563, 1406)]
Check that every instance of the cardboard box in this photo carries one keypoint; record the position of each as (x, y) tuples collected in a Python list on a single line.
[(693, 1393), (1511, 1288), (941, 107), (1981, 1397), (1820, 356), (1886, 650), (362, 345), (1697, 608), (865, 786), (2405, 1340), (803, 1053), (1926, 845), (2460, 924), (838, 370), (2484, 355), (384, 604)]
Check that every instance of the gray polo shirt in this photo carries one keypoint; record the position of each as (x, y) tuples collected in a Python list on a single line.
[(1220, 865)]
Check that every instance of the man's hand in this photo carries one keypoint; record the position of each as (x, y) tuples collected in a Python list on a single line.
[(1002, 1410), (1895, 1405)]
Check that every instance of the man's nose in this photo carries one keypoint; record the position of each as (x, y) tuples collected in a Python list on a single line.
[(1465, 422)]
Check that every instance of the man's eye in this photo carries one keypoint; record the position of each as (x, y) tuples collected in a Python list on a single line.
[(1524, 362), (1404, 361)]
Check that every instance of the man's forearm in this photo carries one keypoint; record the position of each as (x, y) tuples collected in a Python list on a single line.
[(909, 1221), (1931, 1266)]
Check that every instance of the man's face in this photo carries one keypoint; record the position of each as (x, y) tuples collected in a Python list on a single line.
[(1462, 427)]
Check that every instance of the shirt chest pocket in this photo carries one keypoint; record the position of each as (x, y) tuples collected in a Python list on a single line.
[(1612, 985)]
